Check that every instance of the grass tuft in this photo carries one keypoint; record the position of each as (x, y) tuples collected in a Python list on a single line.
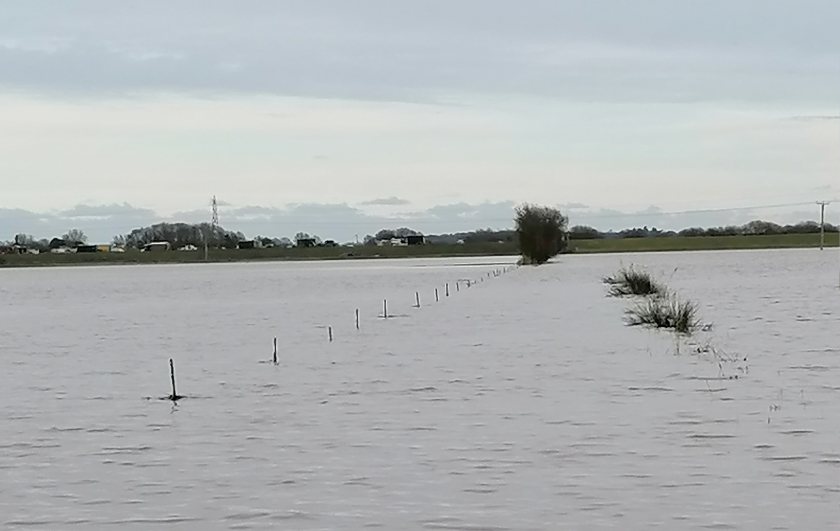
[(665, 312), (630, 281)]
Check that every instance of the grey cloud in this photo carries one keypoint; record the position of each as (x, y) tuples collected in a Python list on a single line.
[(572, 206), (99, 222), (123, 210), (190, 216), (254, 211), (11, 215), (387, 201), (815, 117), (343, 222), (385, 50), (464, 211)]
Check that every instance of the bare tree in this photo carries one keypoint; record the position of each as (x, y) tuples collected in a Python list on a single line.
[(74, 236)]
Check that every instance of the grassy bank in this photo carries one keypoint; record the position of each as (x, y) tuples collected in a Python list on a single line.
[(476, 249)]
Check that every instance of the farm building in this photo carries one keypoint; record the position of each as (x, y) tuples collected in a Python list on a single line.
[(157, 247)]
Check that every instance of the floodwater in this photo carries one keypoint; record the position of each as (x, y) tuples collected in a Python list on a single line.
[(520, 403)]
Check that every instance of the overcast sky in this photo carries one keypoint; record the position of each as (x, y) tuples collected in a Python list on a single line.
[(350, 113)]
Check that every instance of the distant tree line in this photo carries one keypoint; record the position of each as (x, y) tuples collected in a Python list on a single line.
[(181, 235), (757, 227), (71, 238), (389, 234), (478, 236), (184, 234)]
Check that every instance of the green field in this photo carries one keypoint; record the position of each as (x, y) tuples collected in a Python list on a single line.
[(277, 253), (675, 243), (702, 243)]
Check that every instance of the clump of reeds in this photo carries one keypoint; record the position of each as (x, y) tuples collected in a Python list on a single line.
[(631, 281), (665, 312)]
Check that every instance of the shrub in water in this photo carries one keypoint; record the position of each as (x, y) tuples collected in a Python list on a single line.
[(541, 232), (665, 312), (629, 281)]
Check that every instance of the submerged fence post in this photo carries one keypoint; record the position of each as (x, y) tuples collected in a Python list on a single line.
[(437, 298), (174, 396), (357, 318), (275, 351), (416, 299), (385, 308), (329, 331), (447, 289)]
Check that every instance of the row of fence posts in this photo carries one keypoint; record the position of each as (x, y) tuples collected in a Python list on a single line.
[(469, 283), (446, 293)]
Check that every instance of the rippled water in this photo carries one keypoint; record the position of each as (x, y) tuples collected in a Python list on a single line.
[(520, 403)]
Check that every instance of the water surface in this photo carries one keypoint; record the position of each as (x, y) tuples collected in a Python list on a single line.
[(520, 403)]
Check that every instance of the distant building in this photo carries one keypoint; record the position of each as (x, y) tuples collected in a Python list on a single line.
[(306, 242), (246, 244), (87, 248), (330, 243), (21, 249), (157, 247), (414, 239)]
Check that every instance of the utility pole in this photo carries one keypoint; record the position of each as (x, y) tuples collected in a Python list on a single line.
[(214, 222), (822, 222)]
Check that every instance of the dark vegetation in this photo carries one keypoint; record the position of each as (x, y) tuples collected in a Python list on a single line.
[(478, 236), (632, 281), (657, 306), (665, 312), (753, 228), (182, 234), (134, 256), (541, 232)]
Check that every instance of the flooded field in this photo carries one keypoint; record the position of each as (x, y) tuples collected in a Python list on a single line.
[(520, 403)]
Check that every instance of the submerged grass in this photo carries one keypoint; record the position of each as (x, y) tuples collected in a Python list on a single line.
[(631, 281), (665, 312)]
